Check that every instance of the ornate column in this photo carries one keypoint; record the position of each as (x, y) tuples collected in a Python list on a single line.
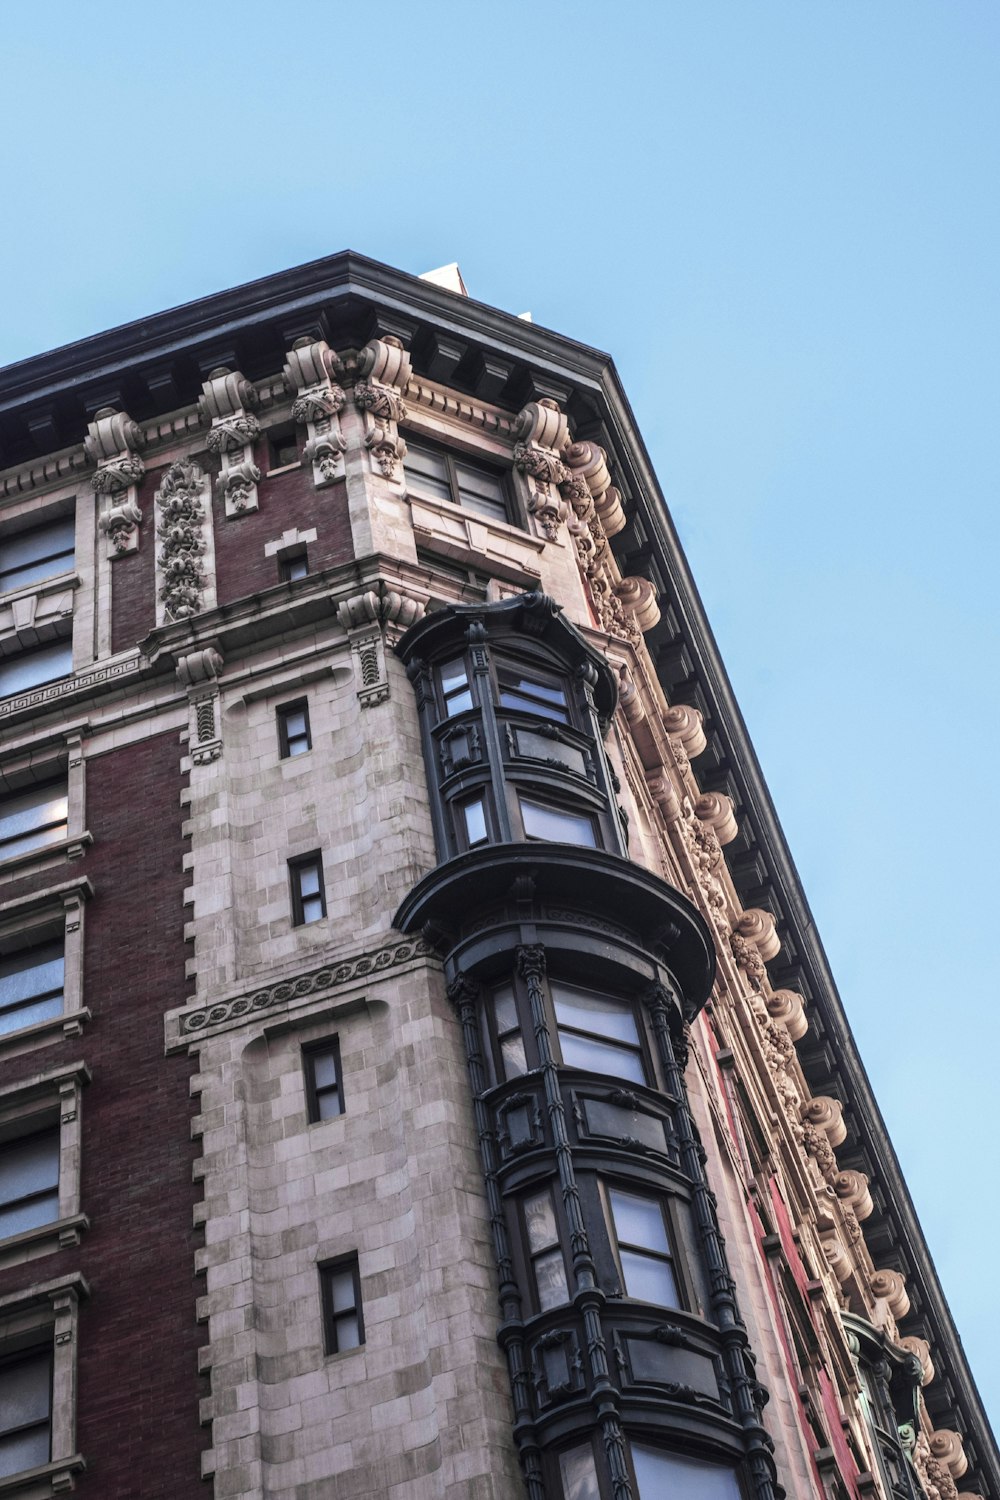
[(384, 368)]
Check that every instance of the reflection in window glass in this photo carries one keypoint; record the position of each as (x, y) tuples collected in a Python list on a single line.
[(32, 819), (544, 699), (31, 986), (643, 1248), (455, 688), (543, 1247), (32, 556), (578, 1473), (597, 1034), (29, 1181), (661, 1475), (556, 824), (25, 1410), (475, 822), (31, 669), (509, 1033)]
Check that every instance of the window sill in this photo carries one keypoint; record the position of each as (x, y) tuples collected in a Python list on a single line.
[(283, 469), (70, 848), (56, 1478), (61, 1234), (29, 1038), (54, 585), (494, 546)]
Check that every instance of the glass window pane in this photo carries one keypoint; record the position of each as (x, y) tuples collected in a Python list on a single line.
[(426, 472), (578, 1473), (30, 1014), (595, 1013), (32, 972), (556, 825), (29, 1164), (505, 1010), (601, 1057), (33, 818), (312, 909), (662, 1476), (550, 1279), (324, 1069), (24, 1391), (540, 1221), (30, 669), (515, 1063), (346, 1332), (31, 556), (22, 1216), (649, 1280), (639, 1221), (308, 880), (328, 1104), (475, 822), (342, 1291), (24, 1450)]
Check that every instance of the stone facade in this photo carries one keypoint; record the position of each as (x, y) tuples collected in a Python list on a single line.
[(324, 532)]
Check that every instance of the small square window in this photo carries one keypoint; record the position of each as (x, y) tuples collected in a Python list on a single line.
[(324, 1083), (294, 734), (340, 1287), (308, 892), (291, 569)]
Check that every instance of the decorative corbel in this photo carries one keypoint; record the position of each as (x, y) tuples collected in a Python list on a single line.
[(588, 488), (227, 402), (384, 368), (309, 374), (787, 1007), (716, 809), (198, 673), (366, 618), (541, 433), (852, 1189), (112, 443), (890, 1285), (758, 928), (181, 531)]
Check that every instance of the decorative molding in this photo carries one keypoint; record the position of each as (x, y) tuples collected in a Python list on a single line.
[(227, 401), (384, 368), (71, 686), (183, 541), (366, 618), (892, 1286), (328, 977), (459, 408), (112, 443), (309, 370), (541, 433), (198, 672)]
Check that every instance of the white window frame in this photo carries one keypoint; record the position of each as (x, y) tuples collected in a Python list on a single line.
[(39, 764), (28, 1319), (50, 1097), (26, 922)]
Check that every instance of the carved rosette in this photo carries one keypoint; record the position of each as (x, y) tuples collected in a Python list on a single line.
[(309, 374), (227, 402), (384, 367), (181, 534), (541, 434), (112, 443)]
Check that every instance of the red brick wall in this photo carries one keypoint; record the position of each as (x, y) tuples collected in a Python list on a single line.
[(133, 582), (288, 501), (137, 1418)]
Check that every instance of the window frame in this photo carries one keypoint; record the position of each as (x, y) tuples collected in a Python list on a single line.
[(505, 667), (547, 803), (68, 518), (10, 662), (296, 868), (675, 1262), (282, 713), (50, 1098), (293, 566), (44, 918), (620, 1002), (451, 456), (327, 1271), (531, 1257), (45, 1125), (277, 438), (325, 1046), (45, 1315), (21, 793)]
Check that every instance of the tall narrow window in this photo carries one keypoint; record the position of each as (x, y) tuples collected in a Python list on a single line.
[(474, 815), (455, 688), (547, 1264), (33, 556), (31, 669), (294, 735), (33, 818), (25, 1411), (324, 1084), (597, 1034), (29, 1181), (308, 892), (643, 1247), (340, 1286), (578, 1473), (31, 986), (556, 825), (508, 1028)]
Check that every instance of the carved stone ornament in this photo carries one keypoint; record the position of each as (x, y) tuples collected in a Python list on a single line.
[(541, 433), (935, 1476), (716, 809), (824, 1113), (758, 926), (227, 402), (685, 724), (112, 443), (921, 1350), (384, 367), (892, 1286), (366, 618), (852, 1188), (309, 371), (181, 535), (787, 1007)]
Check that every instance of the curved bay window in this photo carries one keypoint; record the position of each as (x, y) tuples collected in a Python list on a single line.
[(573, 972)]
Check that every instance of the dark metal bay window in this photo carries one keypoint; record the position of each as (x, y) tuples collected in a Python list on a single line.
[(643, 1248), (324, 1085), (25, 1411), (29, 1181), (544, 1253), (308, 890), (655, 1475), (33, 818), (440, 475), (340, 1285), (31, 986), (33, 556), (597, 1034), (531, 694)]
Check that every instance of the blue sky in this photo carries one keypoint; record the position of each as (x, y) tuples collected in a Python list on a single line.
[(782, 219)]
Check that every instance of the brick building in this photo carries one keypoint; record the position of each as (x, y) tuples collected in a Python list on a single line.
[(419, 1075)]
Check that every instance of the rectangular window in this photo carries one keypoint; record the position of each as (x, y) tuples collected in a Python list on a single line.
[(294, 735), (579, 1474), (557, 826), (597, 1034), (31, 986), (282, 450), (324, 1084), (29, 1181), (474, 813), (31, 669), (643, 1247), (508, 1029), (25, 1411), (28, 557), (308, 893), (530, 695), (343, 1323), (439, 475), (544, 1251), (290, 569), (658, 1473), (33, 819), (455, 688)]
